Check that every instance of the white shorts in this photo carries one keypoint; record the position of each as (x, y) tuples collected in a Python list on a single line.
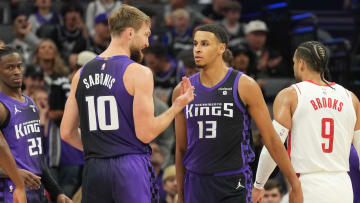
[(326, 187)]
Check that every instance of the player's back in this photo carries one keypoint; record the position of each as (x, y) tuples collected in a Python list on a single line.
[(106, 109), (322, 128)]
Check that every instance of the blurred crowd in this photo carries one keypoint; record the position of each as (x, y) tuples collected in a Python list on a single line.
[(56, 38)]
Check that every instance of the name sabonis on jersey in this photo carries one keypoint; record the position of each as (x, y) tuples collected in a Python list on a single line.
[(327, 102)]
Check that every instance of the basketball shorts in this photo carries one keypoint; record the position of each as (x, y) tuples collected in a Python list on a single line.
[(326, 187), (123, 179), (226, 187), (7, 188)]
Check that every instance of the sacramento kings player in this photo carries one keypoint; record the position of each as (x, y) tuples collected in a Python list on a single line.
[(111, 99), (20, 125), (213, 139)]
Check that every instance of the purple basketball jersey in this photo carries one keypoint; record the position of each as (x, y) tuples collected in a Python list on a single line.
[(22, 133), (106, 109)]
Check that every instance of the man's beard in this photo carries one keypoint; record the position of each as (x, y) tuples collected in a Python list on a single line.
[(200, 67), (136, 55)]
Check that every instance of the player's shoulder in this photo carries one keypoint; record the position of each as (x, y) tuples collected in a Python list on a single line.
[(139, 70), (246, 81)]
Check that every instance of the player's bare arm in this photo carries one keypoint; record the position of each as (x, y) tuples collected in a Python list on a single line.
[(252, 97), (139, 83), (8, 163), (71, 121), (181, 146), (283, 108)]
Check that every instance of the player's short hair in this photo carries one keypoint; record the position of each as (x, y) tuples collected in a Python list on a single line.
[(218, 31), (5, 50), (271, 184), (125, 17), (316, 56)]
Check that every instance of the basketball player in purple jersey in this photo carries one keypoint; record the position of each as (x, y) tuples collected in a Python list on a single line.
[(20, 125), (7, 161), (111, 99), (213, 139)]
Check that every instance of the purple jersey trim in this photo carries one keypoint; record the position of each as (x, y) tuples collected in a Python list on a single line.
[(209, 89)]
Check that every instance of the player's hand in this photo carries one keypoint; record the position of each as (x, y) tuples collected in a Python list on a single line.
[(19, 195), (62, 198), (31, 180), (186, 96), (257, 195), (296, 195)]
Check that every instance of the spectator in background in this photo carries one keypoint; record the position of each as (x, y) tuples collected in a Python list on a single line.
[(196, 18), (170, 185), (272, 192), (269, 62), (48, 58), (179, 37), (232, 24), (98, 7), (157, 29), (101, 38), (244, 60), (33, 79), (187, 59), (25, 41), (157, 160), (81, 59), (71, 33), (43, 16), (165, 70), (215, 11)]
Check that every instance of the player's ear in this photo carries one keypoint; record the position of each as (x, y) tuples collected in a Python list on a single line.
[(222, 48)]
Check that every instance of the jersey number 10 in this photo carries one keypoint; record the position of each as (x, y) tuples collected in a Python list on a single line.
[(325, 123), (98, 115)]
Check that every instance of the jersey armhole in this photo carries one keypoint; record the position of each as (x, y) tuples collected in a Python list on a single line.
[(237, 98), (7, 119)]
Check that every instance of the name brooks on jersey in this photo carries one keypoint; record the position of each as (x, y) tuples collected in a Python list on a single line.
[(26, 128), (99, 79), (209, 109), (324, 102)]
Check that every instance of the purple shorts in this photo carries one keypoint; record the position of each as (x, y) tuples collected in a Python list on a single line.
[(128, 178), (228, 187)]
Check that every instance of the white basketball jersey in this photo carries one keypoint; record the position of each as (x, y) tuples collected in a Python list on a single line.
[(322, 128)]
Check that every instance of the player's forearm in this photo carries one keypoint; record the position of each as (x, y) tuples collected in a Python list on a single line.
[(8, 163), (280, 156), (72, 137), (156, 125)]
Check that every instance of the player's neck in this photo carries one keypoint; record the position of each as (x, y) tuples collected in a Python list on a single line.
[(14, 93), (213, 74), (315, 77), (116, 47)]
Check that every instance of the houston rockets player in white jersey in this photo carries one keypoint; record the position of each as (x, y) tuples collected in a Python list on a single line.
[(321, 120)]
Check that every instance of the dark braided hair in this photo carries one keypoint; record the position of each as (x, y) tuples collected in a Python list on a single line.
[(316, 56), (5, 50)]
